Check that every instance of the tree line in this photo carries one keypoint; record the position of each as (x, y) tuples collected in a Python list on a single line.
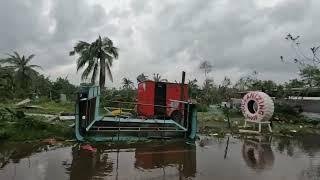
[(19, 77)]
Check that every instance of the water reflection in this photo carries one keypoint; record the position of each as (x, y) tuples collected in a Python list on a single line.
[(257, 152), (221, 158), (86, 165), (180, 155), (308, 144), (15, 152), (105, 162)]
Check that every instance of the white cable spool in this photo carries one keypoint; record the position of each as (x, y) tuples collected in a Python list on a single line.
[(257, 106)]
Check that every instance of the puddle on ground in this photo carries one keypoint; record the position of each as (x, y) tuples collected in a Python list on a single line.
[(209, 158)]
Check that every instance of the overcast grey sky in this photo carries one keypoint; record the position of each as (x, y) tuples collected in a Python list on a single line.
[(162, 36)]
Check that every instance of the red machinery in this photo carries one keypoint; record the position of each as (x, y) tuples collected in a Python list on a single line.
[(163, 110), (162, 99)]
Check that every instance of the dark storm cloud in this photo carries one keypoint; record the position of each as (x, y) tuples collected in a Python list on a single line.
[(75, 19), (291, 12), (162, 36), (230, 34), (48, 29), (20, 22)]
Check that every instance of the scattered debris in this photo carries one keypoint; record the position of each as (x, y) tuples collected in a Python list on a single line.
[(70, 140), (32, 107), (54, 118), (66, 114), (214, 134), (72, 125), (61, 117), (25, 101), (51, 141), (248, 131), (88, 148)]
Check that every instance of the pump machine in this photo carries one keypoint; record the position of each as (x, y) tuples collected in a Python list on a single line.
[(162, 110)]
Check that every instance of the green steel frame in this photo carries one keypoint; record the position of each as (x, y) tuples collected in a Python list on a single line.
[(90, 97)]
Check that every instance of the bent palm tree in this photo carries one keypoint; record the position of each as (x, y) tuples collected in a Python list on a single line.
[(142, 78), (127, 83), (98, 55), (21, 66), (157, 78)]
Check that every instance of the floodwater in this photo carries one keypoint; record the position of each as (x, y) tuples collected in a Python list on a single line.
[(246, 158)]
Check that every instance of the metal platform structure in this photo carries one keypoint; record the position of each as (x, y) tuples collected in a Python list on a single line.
[(89, 125)]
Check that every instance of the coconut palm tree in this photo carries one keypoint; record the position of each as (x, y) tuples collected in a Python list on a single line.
[(98, 56), (24, 71), (127, 83), (142, 78), (157, 78)]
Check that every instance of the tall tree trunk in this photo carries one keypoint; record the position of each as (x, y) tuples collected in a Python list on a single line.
[(102, 78)]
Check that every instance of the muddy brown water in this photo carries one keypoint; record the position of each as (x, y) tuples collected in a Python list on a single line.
[(209, 158)]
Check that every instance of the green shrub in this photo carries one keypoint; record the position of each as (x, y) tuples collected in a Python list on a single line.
[(4, 134), (285, 109), (31, 123), (202, 108)]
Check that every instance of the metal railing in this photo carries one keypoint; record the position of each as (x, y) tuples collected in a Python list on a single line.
[(122, 120)]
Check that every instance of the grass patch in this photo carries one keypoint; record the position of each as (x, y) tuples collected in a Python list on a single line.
[(13, 128), (51, 107), (214, 121), (46, 106)]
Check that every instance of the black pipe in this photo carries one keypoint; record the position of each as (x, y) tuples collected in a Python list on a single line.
[(182, 86)]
